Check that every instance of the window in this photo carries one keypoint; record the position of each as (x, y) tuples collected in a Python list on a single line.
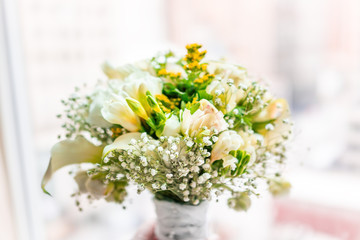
[(308, 50)]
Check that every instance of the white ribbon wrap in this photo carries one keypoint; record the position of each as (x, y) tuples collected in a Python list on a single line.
[(181, 222)]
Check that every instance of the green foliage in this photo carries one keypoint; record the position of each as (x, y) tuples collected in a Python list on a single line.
[(240, 202), (157, 118), (241, 118), (194, 107), (171, 91), (202, 94), (278, 186), (188, 87), (158, 65), (243, 160), (257, 126), (168, 196)]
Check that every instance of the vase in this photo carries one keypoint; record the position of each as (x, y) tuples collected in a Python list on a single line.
[(177, 221)]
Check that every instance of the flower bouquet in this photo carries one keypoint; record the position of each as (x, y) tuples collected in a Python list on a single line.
[(184, 128)]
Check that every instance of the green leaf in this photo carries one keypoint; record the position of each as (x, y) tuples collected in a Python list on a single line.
[(243, 160), (217, 164), (171, 91), (159, 130), (182, 105), (169, 196), (257, 126), (194, 107), (278, 186), (204, 95), (70, 152), (241, 202)]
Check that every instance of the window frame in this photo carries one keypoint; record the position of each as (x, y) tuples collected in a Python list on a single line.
[(15, 130)]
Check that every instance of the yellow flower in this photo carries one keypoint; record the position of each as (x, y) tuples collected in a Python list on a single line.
[(199, 80), (193, 46), (162, 72), (204, 66), (166, 103), (193, 58)]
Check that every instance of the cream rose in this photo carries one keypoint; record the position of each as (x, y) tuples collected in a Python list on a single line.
[(227, 141), (229, 87), (206, 116), (280, 128)]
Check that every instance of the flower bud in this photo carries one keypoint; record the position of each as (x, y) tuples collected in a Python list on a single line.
[(137, 108), (279, 187), (242, 202), (153, 103)]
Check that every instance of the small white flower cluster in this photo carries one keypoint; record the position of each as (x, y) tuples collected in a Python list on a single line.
[(178, 164), (77, 116)]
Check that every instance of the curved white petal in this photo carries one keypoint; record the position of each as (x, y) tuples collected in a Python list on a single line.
[(121, 142), (117, 111), (228, 141), (69, 152), (172, 126)]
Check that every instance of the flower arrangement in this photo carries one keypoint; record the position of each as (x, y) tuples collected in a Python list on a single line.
[(186, 129)]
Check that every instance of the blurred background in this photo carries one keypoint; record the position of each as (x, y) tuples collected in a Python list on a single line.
[(309, 52)]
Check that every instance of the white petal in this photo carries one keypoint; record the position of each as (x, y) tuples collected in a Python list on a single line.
[(121, 142), (69, 152), (117, 111), (172, 126)]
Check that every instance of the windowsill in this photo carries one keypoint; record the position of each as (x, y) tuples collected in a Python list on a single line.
[(335, 189)]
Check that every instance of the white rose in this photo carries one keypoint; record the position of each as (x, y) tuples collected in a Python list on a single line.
[(117, 111), (229, 88), (136, 85), (133, 82), (172, 126), (230, 95), (95, 118), (229, 71), (228, 141), (125, 81)]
